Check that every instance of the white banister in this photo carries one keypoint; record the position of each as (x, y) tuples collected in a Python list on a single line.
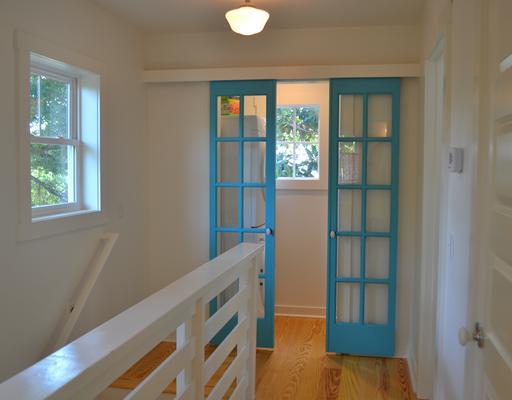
[(107, 241), (86, 367)]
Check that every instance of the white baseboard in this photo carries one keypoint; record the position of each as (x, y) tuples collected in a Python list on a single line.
[(300, 311), (411, 362)]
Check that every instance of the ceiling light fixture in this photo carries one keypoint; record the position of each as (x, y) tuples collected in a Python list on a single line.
[(246, 19)]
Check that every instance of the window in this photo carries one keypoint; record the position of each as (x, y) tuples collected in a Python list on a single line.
[(59, 163), (297, 142), (54, 141)]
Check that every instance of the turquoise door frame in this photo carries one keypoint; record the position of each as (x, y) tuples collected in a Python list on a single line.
[(357, 336), (267, 88)]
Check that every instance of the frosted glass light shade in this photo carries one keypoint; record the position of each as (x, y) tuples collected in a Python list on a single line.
[(247, 20)]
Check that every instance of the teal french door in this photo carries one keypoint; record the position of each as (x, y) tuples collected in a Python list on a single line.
[(242, 183), (363, 215)]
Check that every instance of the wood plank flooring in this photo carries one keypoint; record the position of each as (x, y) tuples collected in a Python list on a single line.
[(298, 368)]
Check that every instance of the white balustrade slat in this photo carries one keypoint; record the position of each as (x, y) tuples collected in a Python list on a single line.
[(187, 394), (155, 383), (216, 289), (239, 392), (222, 351), (227, 379), (87, 366), (224, 314)]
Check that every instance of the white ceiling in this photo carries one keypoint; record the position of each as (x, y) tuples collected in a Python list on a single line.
[(208, 15)]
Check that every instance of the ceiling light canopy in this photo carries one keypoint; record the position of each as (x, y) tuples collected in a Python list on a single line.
[(246, 19)]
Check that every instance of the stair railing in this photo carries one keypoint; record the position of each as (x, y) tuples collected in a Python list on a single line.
[(86, 367)]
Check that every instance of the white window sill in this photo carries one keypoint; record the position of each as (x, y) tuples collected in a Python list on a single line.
[(50, 225)]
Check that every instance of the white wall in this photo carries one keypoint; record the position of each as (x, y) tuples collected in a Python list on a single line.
[(38, 278), (178, 119), (327, 46)]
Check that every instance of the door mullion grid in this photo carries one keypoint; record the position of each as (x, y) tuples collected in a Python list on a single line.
[(362, 258), (241, 171)]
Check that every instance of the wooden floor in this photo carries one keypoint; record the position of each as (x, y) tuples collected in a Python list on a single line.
[(299, 368)]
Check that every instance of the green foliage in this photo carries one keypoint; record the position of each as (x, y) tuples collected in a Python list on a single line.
[(297, 142), (49, 104)]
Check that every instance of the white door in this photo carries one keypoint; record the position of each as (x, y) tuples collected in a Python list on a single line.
[(493, 362)]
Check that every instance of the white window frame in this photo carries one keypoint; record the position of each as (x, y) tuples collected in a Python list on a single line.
[(308, 93), (38, 55), (73, 140), (299, 142)]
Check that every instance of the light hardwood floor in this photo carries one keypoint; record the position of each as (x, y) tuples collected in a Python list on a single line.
[(299, 368)]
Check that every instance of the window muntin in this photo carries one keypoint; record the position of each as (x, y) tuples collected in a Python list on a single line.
[(297, 142), (54, 140)]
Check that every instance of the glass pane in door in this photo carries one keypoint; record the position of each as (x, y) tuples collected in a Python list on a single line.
[(254, 208), (349, 255), (347, 305), (228, 161), (349, 210), (379, 115), (350, 162), (376, 304), (255, 116), (254, 162), (378, 210), (351, 115), (379, 163), (228, 116), (227, 207), (377, 257)]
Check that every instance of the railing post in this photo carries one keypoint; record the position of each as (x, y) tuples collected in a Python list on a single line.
[(197, 365), (184, 378), (252, 314)]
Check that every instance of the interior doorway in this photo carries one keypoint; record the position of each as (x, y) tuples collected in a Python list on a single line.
[(270, 155), (302, 134)]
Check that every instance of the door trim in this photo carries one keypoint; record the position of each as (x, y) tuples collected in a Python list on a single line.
[(423, 368)]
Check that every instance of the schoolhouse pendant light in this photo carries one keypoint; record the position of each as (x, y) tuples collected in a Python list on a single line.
[(246, 19)]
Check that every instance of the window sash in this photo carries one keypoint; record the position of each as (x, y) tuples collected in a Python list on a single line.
[(73, 140), (73, 82)]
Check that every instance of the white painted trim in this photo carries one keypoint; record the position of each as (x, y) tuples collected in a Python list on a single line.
[(282, 72), (300, 311), (413, 372), (431, 254), (87, 213)]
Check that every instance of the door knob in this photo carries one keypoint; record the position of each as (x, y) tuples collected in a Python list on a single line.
[(332, 234), (268, 231), (478, 336)]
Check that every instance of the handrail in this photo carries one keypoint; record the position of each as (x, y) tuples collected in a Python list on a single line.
[(98, 261), (86, 367)]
